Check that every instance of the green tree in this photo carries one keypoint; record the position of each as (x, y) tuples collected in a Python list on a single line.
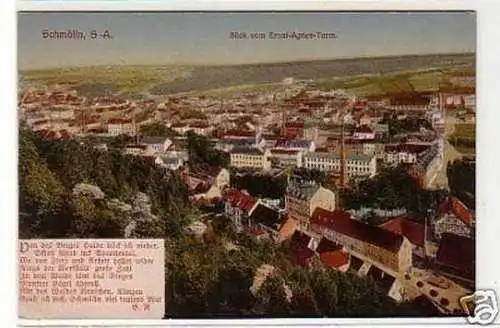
[(157, 129)]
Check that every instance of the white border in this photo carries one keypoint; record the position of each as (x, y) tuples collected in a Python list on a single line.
[(261, 5), (488, 182)]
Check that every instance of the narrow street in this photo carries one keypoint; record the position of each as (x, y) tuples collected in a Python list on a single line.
[(450, 154)]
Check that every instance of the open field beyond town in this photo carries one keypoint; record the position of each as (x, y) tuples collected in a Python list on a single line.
[(360, 75)]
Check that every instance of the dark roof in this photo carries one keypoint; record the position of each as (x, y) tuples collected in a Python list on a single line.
[(300, 239), (364, 129), (457, 252), (409, 99), (300, 253), (277, 151), (341, 222), (292, 143), (407, 148), (246, 150), (239, 133), (413, 231), (266, 216)]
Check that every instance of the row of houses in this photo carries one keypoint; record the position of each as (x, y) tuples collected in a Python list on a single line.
[(357, 165), (323, 234)]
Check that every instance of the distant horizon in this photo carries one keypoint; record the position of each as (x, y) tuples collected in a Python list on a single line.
[(249, 63), (208, 38)]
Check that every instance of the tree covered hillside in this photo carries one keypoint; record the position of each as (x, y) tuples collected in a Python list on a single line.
[(211, 277)]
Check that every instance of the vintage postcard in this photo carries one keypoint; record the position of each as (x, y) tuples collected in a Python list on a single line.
[(211, 165)]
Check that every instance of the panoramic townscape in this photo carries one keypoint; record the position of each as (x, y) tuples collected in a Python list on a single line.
[(328, 188)]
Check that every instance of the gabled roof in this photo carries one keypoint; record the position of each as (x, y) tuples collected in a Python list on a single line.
[(454, 206), (239, 199), (331, 254), (413, 231), (341, 222), (300, 239), (266, 216)]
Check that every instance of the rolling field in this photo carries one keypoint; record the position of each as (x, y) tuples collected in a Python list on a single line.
[(364, 76), (100, 80)]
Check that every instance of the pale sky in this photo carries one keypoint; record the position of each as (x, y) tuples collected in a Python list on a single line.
[(203, 38)]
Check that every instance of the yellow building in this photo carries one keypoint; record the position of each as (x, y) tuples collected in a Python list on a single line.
[(301, 199), (249, 157)]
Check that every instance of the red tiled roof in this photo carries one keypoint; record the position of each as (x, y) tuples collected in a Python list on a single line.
[(334, 259), (456, 207), (341, 222), (413, 231), (238, 199)]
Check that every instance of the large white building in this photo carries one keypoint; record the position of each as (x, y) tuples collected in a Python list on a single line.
[(357, 165), (246, 157), (118, 126), (285, 157)]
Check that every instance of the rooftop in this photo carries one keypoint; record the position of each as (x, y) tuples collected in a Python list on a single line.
[(266, 216), (350, 156), (239, 199), (302, 190), (300, 253), (341, 222), (454, 206), (413, 231), (331, 254), (407, 148), (247, 150), (457, 252)]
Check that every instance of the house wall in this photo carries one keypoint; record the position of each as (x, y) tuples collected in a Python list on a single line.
[(324, 199), (451, 224), (259, 161), (299, 210), (399, 262)]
